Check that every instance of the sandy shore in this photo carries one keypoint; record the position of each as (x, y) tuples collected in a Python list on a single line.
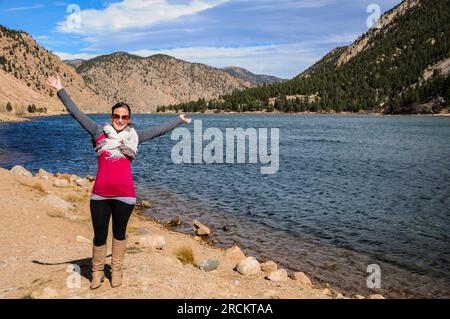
[(7, 118), (40, 242)]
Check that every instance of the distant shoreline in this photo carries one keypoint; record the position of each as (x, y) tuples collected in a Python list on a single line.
[(11, 118)]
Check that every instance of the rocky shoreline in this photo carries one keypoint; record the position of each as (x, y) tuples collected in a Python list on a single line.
[(46, 251)]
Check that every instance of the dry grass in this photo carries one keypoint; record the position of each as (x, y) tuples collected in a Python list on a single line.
[(74, 197), (134, 250), (185, 255), (37, 186)]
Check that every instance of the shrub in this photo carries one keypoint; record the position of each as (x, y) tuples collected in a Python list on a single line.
[(9, 107), (185, 255)]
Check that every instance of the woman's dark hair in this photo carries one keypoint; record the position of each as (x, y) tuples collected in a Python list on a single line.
[(121, 104)]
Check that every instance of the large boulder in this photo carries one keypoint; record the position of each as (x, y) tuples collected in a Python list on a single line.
[(234, 254), (248, 266), (81, 182), (42, 173), (278, 275), (269, 266), (61, 182), (200, 229), (209, 265), (57, 202), (21, 171), (302, 278)]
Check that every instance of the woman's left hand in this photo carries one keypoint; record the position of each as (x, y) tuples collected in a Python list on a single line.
[(185, 119)]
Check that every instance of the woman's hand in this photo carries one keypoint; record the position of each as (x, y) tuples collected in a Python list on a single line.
[(55, 82), (185, 119)]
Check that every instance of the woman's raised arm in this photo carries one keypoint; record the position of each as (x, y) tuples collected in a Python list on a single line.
[(89, 125), (152, 132)]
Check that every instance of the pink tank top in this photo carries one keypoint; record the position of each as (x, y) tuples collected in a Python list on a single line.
[(114, 176)]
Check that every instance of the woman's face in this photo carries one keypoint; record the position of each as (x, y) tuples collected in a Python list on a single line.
[(120, 118)]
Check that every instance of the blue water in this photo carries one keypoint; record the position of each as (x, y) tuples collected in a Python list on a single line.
[(350, 191)]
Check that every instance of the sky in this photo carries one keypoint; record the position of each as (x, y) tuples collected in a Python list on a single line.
[(274, 37)]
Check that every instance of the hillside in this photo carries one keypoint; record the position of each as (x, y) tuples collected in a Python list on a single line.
[(255, 79), (24, 67), (146, 83), (399, 66)]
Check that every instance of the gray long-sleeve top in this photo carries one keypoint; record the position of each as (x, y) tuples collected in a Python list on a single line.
[(96, 130)]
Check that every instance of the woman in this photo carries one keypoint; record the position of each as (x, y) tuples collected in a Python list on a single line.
[(113, 193)]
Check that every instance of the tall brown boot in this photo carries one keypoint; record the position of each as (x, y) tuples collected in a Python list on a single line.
[(98, 264), (118, 254)]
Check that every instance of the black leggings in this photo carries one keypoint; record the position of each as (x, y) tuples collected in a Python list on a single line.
[(101, 211)]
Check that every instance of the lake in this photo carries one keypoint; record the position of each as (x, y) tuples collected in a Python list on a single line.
[(351, 191)]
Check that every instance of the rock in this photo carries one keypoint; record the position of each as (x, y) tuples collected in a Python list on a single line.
[(56, 202), (80, 182), (234, 254), (278, 275), (90, 178), (21, 171), (175, 222), (74, 177), (42, 173), (269, 266), (375, 296), (209, 265), (44, 178), (358, 297), (248, 266), (226, 228), (84, 240), (200, 229), (46, 293), (338, 295), (327, 292), (142, 204), (197, 238), (152, 241), (302, 278), (59, 182)]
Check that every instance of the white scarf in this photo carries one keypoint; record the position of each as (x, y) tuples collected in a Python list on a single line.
[(118, 145)]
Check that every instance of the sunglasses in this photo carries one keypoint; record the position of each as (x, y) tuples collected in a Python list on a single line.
[(118, 117)]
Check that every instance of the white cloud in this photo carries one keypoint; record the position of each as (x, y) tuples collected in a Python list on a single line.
[(282, 60), (36, 6), (129, 14), (69, 56), (267, 5)]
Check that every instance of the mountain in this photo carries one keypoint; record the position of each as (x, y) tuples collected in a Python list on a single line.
[(75, 63), (401, 65), (24, 67), (255, 79), (146, 83)]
